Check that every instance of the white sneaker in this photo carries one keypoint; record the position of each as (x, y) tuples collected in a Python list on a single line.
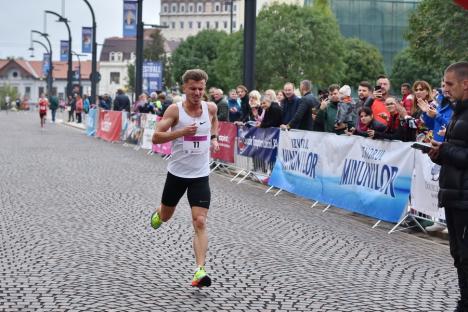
[(436, 227)]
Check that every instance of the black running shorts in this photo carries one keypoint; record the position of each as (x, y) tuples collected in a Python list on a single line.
[(198, 191)]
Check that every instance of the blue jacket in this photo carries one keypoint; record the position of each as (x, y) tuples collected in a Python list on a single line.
[(442, 118)]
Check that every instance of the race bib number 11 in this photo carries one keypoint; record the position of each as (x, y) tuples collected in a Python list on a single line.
[(197, 144)]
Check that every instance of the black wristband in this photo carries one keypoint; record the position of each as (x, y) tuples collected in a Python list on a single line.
[(214, 136)]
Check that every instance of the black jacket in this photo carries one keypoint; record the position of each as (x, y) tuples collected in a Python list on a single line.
[(245, 109), (122, 102), (303, 117), (453, 158), (272, 117)]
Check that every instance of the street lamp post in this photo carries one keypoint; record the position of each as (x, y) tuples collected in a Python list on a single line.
[(79, 67), (139, 49), (48, 52), (231, 4), (94, 74), (249, 43), (49, 74), (69, 71)]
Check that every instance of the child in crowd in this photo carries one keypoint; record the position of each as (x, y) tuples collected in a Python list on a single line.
[(346, 107)]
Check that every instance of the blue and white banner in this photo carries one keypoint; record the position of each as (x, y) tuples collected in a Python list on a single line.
[(425, 187), (64, 50), (45, 64), (152, 76), (366, 176), (91, 122), (258, 142), (130, 18), (86, 40)]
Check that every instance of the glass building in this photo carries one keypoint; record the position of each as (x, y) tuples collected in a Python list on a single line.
[(380, 22)]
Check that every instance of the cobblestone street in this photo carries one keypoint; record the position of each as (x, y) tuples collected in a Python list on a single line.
[(75, 236)]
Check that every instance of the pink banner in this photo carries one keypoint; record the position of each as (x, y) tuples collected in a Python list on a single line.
[(109, 126), (227, 133), (165, 148)]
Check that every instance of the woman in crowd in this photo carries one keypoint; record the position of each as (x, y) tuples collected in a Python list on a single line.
[(366, 125), (244, 98), (71, 108), (256, 110), (79, 107), (280, 96), (234, 105), (272, 112), (422, 96), (436, 118)]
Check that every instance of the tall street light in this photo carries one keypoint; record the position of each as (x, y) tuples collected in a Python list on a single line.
[(139, 49), (79, 68), (249, 43), (51, 66), (69, 71), (94, 74), (48, 72)]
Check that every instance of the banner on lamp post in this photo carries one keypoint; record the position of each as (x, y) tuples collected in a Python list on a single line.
[(130, 18), (64, 46), (46, 64), (87, 40)]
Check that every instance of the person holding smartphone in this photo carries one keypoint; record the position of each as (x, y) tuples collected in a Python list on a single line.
[(452, 156), (380, 94)]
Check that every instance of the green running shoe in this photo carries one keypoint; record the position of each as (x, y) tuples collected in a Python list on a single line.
[(156, 220), (201, 279)]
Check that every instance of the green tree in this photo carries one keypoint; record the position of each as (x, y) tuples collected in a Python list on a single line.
[(408, 68), (154, 51), (363, 62), (437, 33), (230, 61), (199, 51), (10, 91), (131, 77), (295, 43)]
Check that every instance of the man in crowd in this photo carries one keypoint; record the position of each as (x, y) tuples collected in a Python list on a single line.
[(121, 101), (53, 105), (194, 125), (452, 156), (407, 98), (381, 92), (290, 103), (223, 110), (302, 119), (328, 110), (364, 91)]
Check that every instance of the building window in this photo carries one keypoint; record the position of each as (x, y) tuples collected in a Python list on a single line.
[(216, 24), (173, 25), (200, 7), (165, 8), (41, 90), (190, 8), (216, 7), (199, 25), (181, 25), (111, 56), (207, 24), (164, 23), (234, 24), (27, 91), (182, 7), (190, 25), (15, 74), (115, 77), (174, 8), (225, 24), (235, 8)]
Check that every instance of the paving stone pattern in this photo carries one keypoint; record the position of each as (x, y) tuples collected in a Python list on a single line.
[(75, 236)]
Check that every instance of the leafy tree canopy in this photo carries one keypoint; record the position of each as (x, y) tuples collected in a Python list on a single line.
[(363, 62)]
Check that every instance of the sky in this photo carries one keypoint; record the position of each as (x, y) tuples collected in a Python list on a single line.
[(19, 17)]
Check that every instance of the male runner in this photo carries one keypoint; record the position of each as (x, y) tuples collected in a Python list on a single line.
[(193, 125)]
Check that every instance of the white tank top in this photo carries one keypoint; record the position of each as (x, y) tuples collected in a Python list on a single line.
[(191, 154)]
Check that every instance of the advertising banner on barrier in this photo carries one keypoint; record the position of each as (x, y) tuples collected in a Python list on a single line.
[(227, 139), (134, 131), (425, 187), (148, 130), (258, 142), (109, 125), (91, 122), (165, 148), (366, 176)]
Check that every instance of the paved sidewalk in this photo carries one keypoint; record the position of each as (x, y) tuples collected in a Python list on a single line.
[(75, 236)]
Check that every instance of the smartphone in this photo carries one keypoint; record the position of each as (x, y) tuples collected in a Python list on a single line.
[(422, 147), (377, 88)]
